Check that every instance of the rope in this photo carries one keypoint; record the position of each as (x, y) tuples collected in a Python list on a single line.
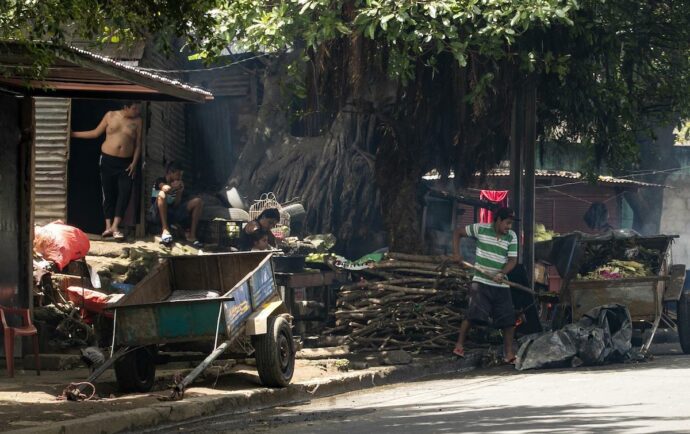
[(220, 311), (72, 392), (569, 195), (112, 345), (636, 175)]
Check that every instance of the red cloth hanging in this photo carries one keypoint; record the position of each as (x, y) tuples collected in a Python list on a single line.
[(499, 197)]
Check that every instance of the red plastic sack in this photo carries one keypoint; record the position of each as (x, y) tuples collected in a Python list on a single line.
[(93, 302), (61, 243)]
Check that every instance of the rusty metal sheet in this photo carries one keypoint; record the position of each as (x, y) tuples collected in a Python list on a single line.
[(643, 299), (594, 284), (675, 286)]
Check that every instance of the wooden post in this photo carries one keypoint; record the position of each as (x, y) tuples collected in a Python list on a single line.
[(530, 131), (517, 128), (145, 189), (25, 196)]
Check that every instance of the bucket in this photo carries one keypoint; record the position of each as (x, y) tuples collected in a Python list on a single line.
[(122, 288)]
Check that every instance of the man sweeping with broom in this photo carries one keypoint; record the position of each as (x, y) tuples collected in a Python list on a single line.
[(490, 301)]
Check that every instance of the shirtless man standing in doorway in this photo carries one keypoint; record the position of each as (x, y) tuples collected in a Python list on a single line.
[(120, 154)]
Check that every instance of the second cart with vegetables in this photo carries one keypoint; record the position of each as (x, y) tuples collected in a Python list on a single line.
[(620, 268)]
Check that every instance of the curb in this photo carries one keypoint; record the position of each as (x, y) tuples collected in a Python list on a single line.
[(254, 399)]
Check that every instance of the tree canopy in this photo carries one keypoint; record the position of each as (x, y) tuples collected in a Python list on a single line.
[(602, 64), (434, 79)]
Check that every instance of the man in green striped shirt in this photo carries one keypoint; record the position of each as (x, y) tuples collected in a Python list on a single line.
[(490, 300)]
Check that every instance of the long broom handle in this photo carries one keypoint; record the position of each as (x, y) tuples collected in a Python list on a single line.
[(506, 281)]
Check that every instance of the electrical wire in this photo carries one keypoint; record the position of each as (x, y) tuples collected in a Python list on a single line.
[(652, 172), (213, 68)]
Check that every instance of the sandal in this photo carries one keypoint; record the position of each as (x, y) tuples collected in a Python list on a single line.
[(118, 236), (459, 352), (107, 233), (510, 361)]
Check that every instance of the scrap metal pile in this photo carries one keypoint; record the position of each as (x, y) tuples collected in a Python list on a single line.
[(408, 302)]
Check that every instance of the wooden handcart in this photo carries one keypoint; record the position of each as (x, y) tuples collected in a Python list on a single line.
[(653, 301)]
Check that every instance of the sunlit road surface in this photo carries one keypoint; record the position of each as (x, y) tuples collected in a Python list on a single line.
[(650, 397)]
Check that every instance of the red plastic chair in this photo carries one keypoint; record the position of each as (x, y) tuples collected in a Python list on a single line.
[(27, 329)]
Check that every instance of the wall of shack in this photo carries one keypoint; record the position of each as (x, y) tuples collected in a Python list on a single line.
[(15, 196)]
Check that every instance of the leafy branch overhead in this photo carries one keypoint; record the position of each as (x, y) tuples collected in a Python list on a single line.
[(603, 66), (409, 29)]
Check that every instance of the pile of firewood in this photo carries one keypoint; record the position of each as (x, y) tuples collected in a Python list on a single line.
[(407, 302)]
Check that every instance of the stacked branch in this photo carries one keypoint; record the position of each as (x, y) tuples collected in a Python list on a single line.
[(408, 302)]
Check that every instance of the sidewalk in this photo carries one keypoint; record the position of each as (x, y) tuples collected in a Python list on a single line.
[(28, 403)]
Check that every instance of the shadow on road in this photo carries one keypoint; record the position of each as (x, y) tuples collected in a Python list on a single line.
[(460, 418)]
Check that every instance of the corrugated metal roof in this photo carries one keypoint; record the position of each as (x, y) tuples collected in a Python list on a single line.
[(556, 174), (80, 73)]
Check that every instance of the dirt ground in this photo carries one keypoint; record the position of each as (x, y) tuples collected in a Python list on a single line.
[(28, 400)]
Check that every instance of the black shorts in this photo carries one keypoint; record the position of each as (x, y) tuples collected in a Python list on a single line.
[(491, 305), (177, 215)]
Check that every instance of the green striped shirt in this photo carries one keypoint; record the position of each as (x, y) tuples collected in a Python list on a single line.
[(492, 251)]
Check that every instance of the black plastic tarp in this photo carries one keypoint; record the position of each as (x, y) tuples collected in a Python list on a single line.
[(602, 335)]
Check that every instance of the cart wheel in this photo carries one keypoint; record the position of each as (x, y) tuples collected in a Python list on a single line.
[(136, 370), (275, 353), (683, 322)]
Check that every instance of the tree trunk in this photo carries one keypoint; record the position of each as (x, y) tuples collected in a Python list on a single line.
[(398, 175)]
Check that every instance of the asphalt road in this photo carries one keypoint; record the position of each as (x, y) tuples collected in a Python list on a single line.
[(649, 397)]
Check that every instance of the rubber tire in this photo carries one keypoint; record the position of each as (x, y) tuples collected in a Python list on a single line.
[(275, 353), (136, 370), (683, 321)]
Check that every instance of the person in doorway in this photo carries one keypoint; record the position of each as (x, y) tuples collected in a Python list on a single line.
[(490, 299), (260, 240), (120, 153), (267, 220), (170, 205)]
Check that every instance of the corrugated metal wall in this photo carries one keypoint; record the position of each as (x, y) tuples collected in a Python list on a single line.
[(564, 213), (52, 120), (164, 138), (10, 136)]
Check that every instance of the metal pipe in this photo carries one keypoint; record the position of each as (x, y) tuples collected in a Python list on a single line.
[(182, 385)]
